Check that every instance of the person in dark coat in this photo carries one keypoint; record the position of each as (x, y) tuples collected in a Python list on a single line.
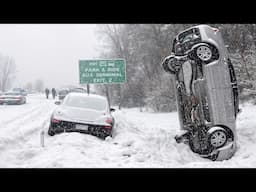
[(53, 93), (47, 91)]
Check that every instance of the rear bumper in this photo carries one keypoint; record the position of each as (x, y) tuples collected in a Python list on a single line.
[(10, 102), (223, 153), (220, 154), (97, 130)]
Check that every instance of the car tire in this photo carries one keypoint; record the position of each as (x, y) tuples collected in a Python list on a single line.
[(51, 132), (218, 139), (167, 67), (204, 53)]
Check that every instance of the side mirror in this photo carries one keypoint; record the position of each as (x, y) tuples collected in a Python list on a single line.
[(112, 110), (57, 102)]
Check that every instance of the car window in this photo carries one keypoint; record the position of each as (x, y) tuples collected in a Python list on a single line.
[(173, 45), (63, 92), (189, 35), (12, 93), (77, 90), (86, 102)]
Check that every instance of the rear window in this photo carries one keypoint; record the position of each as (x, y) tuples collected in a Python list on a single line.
[(63, 92), (12, 93), (97, 104), (189, 35)]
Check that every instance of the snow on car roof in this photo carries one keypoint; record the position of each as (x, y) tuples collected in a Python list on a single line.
[(86, 95)]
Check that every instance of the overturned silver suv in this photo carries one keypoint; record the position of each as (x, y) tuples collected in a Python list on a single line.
[(206, 92)]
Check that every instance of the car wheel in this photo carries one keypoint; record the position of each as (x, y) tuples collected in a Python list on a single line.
[(218, 138), (205, 53), (167, 66), (51, 132)]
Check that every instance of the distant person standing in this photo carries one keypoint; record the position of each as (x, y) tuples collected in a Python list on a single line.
[(47, 91), (53, 93)]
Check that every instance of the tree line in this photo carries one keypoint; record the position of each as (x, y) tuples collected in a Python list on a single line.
[(8, 71), (144, 46)]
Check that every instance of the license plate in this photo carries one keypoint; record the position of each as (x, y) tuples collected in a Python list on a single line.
[(82, 127)]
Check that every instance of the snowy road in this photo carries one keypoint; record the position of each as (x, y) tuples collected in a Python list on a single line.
[(141, 139)]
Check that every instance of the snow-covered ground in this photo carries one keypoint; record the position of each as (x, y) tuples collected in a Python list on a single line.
[(141, 140)]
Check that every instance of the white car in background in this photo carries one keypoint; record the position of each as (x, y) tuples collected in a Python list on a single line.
[(80, 112), (14, 98)]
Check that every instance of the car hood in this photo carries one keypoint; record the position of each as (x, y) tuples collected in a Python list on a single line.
[(78, 114)]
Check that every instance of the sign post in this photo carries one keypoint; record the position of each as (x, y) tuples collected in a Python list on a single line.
[(88, 88)]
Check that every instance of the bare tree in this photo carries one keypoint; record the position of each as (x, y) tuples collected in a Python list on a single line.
[(7, 71)]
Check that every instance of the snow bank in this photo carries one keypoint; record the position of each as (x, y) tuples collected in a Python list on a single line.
[(140, 140)]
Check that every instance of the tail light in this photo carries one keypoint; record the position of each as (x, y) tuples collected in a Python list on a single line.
[(215, 30), (55, 121), (109, 120)]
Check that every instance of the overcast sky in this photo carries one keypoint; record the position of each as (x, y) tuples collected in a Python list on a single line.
[(49, 52)]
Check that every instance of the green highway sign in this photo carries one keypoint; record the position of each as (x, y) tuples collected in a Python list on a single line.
[(102, 71)]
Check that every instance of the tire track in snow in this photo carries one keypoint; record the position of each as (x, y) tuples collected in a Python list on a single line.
[(26, 129), (20, 116)]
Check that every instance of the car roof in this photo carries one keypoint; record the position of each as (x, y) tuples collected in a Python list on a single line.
[(12, 92), (86, 95)]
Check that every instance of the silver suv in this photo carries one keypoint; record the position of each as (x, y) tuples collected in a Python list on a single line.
[(206, 92)]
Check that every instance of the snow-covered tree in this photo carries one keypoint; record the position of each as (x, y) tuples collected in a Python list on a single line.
[(7, 72)]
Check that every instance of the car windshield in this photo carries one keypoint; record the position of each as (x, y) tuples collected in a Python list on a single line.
[(98, 104)]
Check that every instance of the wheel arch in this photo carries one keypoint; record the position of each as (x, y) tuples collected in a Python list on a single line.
[(213, 47), (224, 128)]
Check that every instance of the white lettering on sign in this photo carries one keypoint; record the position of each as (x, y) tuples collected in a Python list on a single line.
[(87, 75), (91, 70), (103, 64), (93, 64), (99, 80), (111, 64), (103, 70), (113, 69), (108, 75)]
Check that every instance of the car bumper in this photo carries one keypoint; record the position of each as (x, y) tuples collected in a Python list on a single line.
[(223, 153), (97, 130), (10, 102)]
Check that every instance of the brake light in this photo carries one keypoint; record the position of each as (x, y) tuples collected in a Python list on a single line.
[(108, 127), (109, 120), (55, 121), (215, 30)]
